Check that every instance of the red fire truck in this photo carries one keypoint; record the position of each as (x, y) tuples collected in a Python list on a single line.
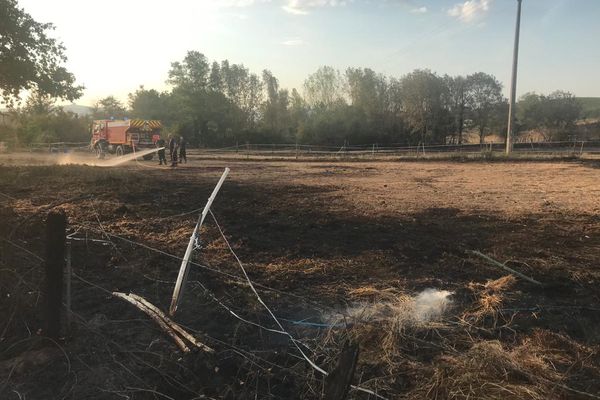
[(124, 136)]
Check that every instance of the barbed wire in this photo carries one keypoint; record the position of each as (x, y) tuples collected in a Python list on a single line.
[(293, 340), (205, 267)]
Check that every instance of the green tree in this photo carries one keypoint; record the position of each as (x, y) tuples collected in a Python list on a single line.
[(369, 93), (324, 88), (483, 99), (38, 103), (457, 103), (150, 104), (215, 80), (423, 93), (564, 109), (298, 111), (554, 115), (276, 116), (41, 121), (30, 59), (207, 113), (109, 107), (191, 74)]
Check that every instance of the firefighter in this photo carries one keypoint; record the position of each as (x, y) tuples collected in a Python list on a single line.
[(161, 153), (182, 150), (174, 146), (171, 146)]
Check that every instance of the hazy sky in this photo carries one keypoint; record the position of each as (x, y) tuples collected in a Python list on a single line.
[(115, 46)]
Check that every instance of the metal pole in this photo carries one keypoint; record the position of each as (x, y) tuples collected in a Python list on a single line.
[(513, 85)]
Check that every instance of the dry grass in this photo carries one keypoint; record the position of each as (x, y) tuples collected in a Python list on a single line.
[(488, 370), (488, 301), (443, 358)]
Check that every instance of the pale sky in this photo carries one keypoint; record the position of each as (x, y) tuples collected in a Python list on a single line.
[(115, 46)]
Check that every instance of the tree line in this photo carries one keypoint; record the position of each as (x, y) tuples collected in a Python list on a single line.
[(220, 103), (216, 104)]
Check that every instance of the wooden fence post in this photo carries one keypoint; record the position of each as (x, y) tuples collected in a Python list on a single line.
[(56, 225), (337, 383), (68, 274)]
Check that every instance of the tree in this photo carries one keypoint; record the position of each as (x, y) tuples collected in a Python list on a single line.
[(555, 114), (107, 108), (30, 59), (191, 73), (38, 103), (564, 110), (369, 94), (150, 104), (324, 87), (457, 102), (275, 115), (298, 114), (41, 121), (423, 93), (483, 98), (396, 121), (215, 80)]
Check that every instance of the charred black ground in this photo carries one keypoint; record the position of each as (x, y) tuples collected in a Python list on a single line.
[(320, 236)]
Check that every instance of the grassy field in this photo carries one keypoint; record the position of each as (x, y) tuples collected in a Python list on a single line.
[(376, 253)]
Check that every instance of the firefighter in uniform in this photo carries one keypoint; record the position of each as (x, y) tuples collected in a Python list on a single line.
[(182, 150), (174, 145), (171, 146), (161, 153)]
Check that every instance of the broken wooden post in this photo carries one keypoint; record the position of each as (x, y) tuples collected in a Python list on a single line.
[(183, 269), (338, 382), (56, 225), (177, 333), (166, 328)]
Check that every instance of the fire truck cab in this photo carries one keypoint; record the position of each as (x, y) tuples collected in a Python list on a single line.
[(124, 136)]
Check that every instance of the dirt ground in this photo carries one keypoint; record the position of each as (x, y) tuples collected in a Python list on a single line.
[(320, 238)]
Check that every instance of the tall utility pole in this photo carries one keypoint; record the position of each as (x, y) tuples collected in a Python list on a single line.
[(513, 84)]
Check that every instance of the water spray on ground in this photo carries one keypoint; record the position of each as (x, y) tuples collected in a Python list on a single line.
[(112, 162)]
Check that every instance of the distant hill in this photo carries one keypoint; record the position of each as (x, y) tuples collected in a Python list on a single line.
[(591, 106), (77, 109)]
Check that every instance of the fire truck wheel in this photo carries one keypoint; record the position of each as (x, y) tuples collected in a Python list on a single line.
[(99, 151), (120, 151)]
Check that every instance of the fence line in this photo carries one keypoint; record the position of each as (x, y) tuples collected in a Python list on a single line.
[(296, 150), (388, 149)]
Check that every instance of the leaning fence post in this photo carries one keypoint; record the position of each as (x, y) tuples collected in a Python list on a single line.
[(183, 269), (56, 225)]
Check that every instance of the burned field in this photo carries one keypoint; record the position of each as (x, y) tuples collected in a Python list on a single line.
[(377, 254)]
